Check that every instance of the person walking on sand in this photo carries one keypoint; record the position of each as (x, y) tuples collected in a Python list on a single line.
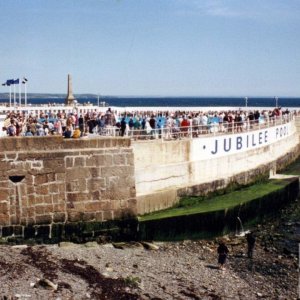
[(250, 242), (222, 252)]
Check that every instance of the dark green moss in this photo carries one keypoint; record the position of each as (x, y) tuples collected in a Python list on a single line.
[(218, 215)]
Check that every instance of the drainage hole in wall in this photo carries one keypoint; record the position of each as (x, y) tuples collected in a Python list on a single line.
[(16, 179)]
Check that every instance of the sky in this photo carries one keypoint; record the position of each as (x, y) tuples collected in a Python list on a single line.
[(153, 47)]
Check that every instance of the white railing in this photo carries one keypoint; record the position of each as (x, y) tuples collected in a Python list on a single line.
[(173, 132)]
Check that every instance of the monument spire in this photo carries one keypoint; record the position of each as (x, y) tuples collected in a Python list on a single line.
[(70, 97)]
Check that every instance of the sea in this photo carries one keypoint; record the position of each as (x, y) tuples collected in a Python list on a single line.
[(284, 102)]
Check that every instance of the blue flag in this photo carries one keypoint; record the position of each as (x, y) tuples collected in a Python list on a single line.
[(9, 82)]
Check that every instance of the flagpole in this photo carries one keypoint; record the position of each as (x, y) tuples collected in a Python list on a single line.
[(24, 81), (14, 95), (25, 90), (20, 98), (9, 95)]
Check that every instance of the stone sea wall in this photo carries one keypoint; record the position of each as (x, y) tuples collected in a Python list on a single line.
[(51, 186)]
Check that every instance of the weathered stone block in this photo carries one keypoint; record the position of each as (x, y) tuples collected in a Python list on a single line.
[(76, 185), (4, 183), (30, 221), (4, 219), (59, 207), (72, 229), (51, 177), (7, 231), (38, 199), (108, 215), (130, 159), (47, 199), (18, 230), (59, 217), (121, 171), (39, 209), (53, 188), (69, 162), (30, 212), (30, 189), (61, 187), (4, 194), (3, 207), (79, 161), (29, 232), (57, 231), (37, 164), (77, 173), (48, 209), (79, 206), (42, 190), (40, 179), (99, 216), (57, 198), (96, 195), (104, 160), (73, 197), (119, 159), (60, 176), (54, 164), (43, 231), (75, 216), (13, 219), (106, 205), (24, 202), (94, 206), (23, 221), (12, 209), (43, 219), (90, 161), (114, 205), (89, 216), (95, 184), (95, 172)]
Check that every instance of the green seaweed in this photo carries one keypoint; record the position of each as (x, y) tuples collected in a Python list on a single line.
[(202, 204)]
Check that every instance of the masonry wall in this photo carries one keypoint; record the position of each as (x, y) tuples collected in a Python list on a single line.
[(53, 188), (49, 181)]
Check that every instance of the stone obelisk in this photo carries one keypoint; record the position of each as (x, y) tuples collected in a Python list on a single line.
[(70, 97)]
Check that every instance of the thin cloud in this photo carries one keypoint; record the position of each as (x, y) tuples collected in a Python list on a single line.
[(255, 9)]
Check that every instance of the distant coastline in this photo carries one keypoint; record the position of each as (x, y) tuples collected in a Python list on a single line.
[(159, 101)]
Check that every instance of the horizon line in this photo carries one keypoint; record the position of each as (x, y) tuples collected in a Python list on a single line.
[(160, 96)]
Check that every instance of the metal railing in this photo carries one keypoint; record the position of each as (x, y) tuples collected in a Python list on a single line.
[(172, 132)]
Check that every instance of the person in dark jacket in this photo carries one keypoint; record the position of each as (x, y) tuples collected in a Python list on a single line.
[(123, 126), (250, 242), (222, 252)]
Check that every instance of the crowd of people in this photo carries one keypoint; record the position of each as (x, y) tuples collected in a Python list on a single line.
[(141, 124)]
